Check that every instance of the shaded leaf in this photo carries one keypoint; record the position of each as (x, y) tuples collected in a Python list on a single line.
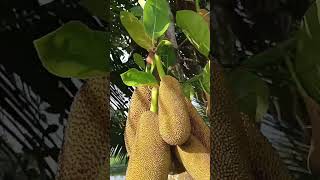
[(167, 53), (205, 80), (251, 93), (139, 60), (188, 90), (74, 50), (137, 11), (136, 30), (196, 29), (134, 77), (307, 61), (156, 17), (270, 56)]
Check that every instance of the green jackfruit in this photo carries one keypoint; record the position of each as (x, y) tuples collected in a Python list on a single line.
[(174, 121), (151, 156)]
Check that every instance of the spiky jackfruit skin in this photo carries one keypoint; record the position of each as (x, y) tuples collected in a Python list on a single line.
[(86, 141), (238, 148), (140, 103), (151, 156), (174, 122), (229, 158), (195, 158), (265, 161), (198, 127)]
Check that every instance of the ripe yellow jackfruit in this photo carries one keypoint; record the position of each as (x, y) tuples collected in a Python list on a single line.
[(151, 156), (140, 103), (174, 121), (198, 127), (195, 158)]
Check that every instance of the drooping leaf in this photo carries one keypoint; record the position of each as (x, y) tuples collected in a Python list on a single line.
[(205, 80), (196, 30), (167, 53), (137, 11), (134, 77), (74, 50), (136, 30), (307, 61), (139, 60), (251, 93), (96, 7), (156, 17)]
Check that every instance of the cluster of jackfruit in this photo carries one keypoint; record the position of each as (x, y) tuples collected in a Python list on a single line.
[(172, 141)]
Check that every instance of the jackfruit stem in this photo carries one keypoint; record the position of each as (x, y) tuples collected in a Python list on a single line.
[(159, 66), (154, 100)]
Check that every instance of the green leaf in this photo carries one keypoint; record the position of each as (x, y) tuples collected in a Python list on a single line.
[(137, 11), (74, 50), (188, 90), (307, 61), (196, 30), (96, 7), (262, 106), (271, 56), (134, 77), (136, 30), (156, 17), (167, 53), (205, 80), (139, 60), (251, 93)]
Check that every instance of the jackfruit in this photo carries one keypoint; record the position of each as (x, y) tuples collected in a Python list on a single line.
[(86, 140), (265, 162), (195, 158), (198, 127), (229, 158), (151, 156), (174, 122), (140, 103), (238, 149)]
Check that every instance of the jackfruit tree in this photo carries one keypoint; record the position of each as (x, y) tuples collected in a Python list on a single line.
[(162, 99), (165, 134)]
